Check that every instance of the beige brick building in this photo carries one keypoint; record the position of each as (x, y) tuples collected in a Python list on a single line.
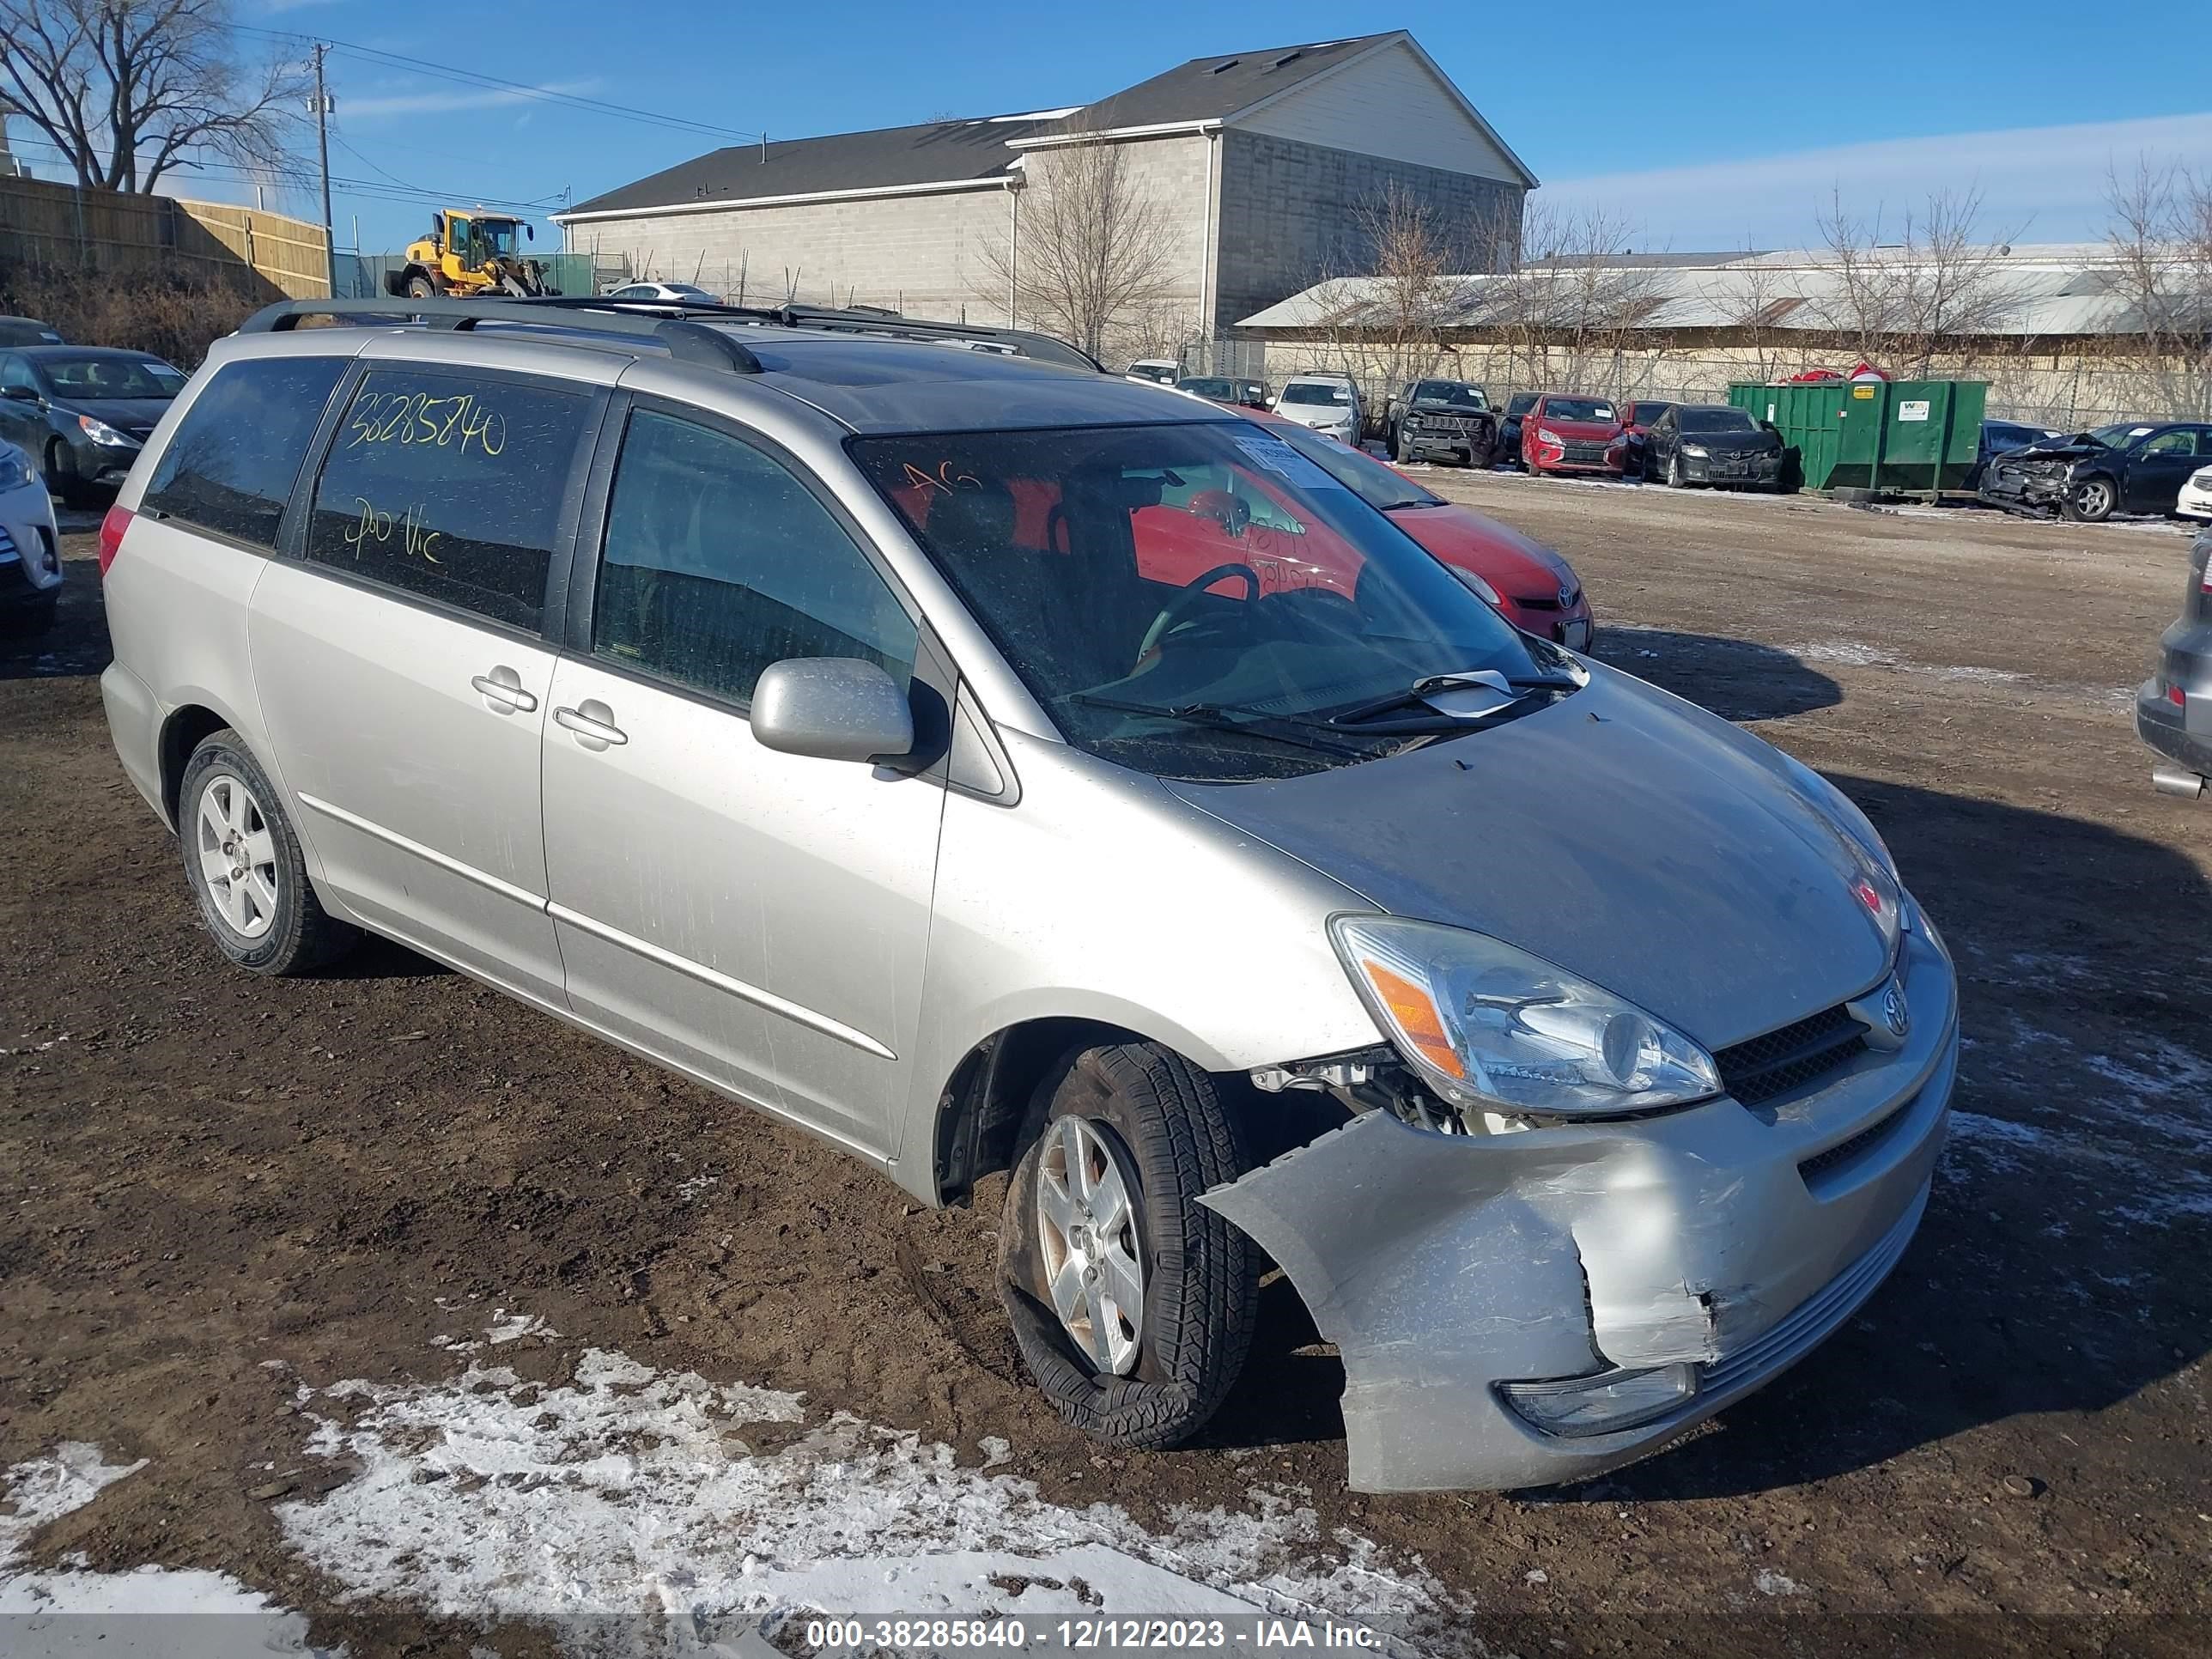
[(1259, 162)]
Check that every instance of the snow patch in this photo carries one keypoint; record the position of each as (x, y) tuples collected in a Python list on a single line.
[(1849, 654), (630, 1492), (44, 1489)]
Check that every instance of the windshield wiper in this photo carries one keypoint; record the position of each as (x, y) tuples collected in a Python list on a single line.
[(1217, 717), (1401, 507), (1490, 679)]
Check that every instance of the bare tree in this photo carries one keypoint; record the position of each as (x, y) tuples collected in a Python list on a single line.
[(1752, 295), (2160, 239), (1383, 320), (1574, 311), (128, 90), (1942, 289), (1094, 251)]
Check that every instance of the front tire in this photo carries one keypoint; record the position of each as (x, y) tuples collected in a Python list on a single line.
[(63, 479), (1678, 476), (2092, 500), (419, 287), (244, 864), (1102, 1212)]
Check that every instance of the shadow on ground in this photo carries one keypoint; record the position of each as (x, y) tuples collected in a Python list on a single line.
[(1737, 679)]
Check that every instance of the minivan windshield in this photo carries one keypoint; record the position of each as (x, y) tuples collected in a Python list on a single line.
[(1200, 600)]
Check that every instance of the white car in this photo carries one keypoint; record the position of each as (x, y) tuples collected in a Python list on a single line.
[(1154, 371), (2195, 501), (30, 544), (667, 293), (1327, 403)]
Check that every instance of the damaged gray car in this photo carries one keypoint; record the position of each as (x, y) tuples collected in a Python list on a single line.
[(994, 767)]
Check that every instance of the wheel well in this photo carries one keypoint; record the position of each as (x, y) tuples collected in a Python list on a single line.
[(180, 735), (980, 1114)]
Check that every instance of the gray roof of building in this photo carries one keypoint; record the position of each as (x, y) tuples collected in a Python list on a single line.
[(944, 152), (934, 152), (1209, 89)]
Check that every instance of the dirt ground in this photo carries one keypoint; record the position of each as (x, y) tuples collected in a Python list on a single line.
[(202, 1172)]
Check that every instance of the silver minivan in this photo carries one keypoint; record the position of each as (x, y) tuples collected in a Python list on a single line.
[(835, 719)]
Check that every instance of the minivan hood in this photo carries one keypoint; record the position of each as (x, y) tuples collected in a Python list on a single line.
[(1622, 834)]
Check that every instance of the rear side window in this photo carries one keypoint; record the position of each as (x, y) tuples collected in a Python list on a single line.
[(719, 561), (231, 465), (450, 486)]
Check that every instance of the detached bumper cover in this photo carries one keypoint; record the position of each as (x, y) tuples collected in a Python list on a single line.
[(1733, 470), (1730, 1240)]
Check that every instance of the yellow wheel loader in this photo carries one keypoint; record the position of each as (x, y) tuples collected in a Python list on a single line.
[(466, 253)]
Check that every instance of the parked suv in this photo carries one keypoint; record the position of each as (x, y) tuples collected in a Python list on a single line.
[(1446, 418), (790, 707)]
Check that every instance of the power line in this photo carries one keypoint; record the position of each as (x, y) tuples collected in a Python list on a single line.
[(518, 88)]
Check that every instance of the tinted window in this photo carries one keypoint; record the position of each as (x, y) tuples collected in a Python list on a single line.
[(718, 561), (450, 486), (1716, 420), (111, 377), (231, 466), (1453, 392), (1521, 403)]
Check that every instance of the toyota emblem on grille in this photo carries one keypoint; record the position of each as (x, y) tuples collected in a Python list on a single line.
[(1895, 1013)]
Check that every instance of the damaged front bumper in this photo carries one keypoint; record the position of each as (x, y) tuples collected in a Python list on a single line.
[(1715, 1246), (2025, 486)]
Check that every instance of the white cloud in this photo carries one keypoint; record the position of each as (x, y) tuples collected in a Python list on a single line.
[(457, 98), (2039, 184)]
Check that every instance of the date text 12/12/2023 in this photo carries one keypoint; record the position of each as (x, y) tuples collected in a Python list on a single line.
[(1256, 1632)]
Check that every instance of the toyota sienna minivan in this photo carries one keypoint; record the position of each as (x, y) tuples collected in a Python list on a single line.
[(780, 697)]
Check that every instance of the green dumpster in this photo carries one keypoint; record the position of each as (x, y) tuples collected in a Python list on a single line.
[(1894, 437)]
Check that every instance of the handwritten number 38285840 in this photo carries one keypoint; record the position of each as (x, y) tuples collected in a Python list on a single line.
[(456, 424)]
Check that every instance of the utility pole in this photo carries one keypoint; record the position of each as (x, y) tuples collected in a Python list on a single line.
[(323, 146)]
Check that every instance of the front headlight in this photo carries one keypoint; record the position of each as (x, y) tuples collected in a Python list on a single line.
[(1697, 451), (14, 467), (101, 433), (1481, 589), (1489, 1026)]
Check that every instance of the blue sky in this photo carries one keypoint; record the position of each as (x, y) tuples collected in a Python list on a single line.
[(1718, 137)]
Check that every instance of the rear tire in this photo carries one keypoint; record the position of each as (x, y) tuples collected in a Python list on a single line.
[(244, 864), (1153, 1122)]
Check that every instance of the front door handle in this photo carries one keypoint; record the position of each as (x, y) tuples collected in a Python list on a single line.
[(593, 722), (502, 688)]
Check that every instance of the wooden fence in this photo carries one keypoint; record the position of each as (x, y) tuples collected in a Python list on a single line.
[(267, 254)]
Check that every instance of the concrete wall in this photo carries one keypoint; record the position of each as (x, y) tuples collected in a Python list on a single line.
[(1290, 213), (1390, 104), (923, 254)]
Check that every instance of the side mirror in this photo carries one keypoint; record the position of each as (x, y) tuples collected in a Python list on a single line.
[(21, 394), (831, 708), (530, 232)]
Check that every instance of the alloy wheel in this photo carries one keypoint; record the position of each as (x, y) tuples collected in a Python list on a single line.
[(2095, 500), (238, 855), (1087, 1227)]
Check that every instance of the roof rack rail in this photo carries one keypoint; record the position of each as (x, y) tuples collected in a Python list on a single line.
[(689, 341), (848, 319)]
